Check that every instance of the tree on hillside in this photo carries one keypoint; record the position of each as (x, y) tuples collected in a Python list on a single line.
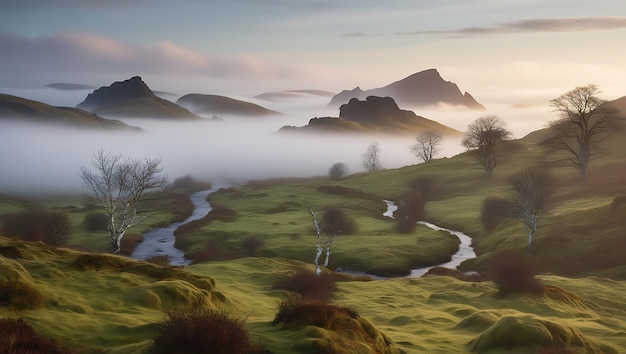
[(427, 147), (333, 223), (584, 121), (338, 171), (121, 187), (371, 158), (533, 190), (482, 137)]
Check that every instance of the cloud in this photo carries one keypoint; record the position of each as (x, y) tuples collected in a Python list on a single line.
[(72, 55), (580, 24)]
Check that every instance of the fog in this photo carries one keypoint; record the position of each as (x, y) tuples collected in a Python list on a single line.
[(39, 159)]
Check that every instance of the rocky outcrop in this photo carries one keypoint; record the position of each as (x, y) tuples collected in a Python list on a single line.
[(422, 89), (132, 98)]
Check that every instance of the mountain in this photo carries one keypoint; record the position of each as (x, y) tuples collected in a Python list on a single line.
[(292, 95), (375, 114), (425, 88), (132, 98), (20, 109), (214, 104)]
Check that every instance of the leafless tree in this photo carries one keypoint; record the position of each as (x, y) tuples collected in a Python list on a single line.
[(482, 137), (338, 171), (533, 190), (427, 147), (584, 121), (121, 187), (371, 158), (325, 237)]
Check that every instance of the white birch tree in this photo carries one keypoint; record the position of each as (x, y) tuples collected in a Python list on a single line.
[(121, 187), (325, 237)]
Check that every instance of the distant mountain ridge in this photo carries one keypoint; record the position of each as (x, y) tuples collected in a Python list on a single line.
[(23, 110), (132, 98), (215, 104), (375, 115), (290, 95), (425, 88)]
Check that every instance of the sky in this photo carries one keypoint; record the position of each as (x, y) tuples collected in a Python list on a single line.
[(510, 52)]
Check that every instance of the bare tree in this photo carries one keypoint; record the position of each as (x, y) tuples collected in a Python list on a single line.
[(585, 120), (325, 237), (338, 171), (427, 147), (121, 187), (482, 137), (371, 158), (533, 190)]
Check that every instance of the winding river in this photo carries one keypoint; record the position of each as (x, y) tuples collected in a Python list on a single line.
[(158, 242), (466, 251)]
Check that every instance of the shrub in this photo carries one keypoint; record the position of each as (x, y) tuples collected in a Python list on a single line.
[(335, 221), (52, 228), (251, 244), (203, 331), (295, 311), (493, 212), (16, 336), (513, 273), (306, 283), (338, 171), (410, 211), (188, 184), (161, 259), (96, 222)]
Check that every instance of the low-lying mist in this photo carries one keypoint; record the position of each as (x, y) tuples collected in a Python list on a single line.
[(38, 159)]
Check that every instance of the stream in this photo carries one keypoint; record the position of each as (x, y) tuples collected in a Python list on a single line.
[(158, 242), (466, 251)]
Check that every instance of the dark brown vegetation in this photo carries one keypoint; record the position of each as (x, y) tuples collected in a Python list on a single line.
[(251, 244), (203, 332), (337, 222), (410, 210), (308, 284), (337, 171), (96, 222), (18, 337), (52, 228), (493, 212), (513, 273), (295, 311), (20, 295), (218, 212)]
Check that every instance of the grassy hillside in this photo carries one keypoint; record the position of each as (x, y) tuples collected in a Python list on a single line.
[(103, 303)]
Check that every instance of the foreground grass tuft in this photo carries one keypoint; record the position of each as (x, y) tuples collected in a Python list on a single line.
[(203, 332), (18, 337)]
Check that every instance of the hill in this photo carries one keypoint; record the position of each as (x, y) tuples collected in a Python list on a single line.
[(20, 109), (374, 115), (132, 98), (215, 104), (422, 89)]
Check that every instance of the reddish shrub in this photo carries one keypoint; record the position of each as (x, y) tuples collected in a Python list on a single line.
[(513, 273), (52, 228), (493, 212), (308, 284), (205, 332), (294, 311), (161, 259), (410, 210), (16, 336), (336, 222)]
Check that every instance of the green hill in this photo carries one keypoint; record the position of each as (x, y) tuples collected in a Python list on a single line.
[(112, 304), (215, 104), (14, 108)]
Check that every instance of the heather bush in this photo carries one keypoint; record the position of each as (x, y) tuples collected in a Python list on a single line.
[(18, 337), (336, 222), (295, 311), (19, 295), (513, 273), (52, 228), (306, 283), (203, 332), (493, 212)]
